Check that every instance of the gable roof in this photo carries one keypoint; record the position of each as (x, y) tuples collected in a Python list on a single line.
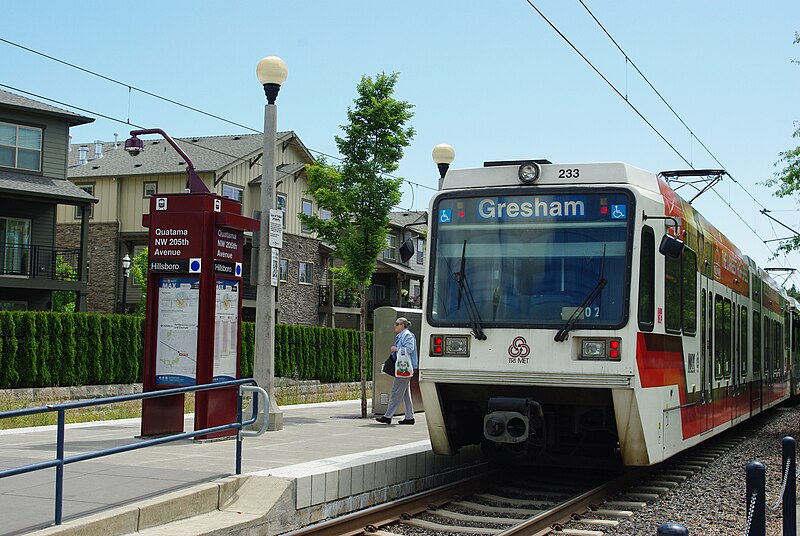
[(18, 102), (407, 217), (59, 190), (208, 154)]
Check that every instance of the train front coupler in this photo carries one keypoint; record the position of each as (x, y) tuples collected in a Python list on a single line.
[(513, 421)]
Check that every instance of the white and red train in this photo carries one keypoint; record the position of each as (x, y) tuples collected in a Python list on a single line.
[(586, 310)]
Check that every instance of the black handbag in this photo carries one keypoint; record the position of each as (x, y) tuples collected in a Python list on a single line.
[(388, 366)]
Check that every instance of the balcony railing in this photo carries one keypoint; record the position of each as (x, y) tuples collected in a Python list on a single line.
[(39, 262), (341, 298)]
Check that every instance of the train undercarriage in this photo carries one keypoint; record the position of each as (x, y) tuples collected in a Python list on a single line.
[(532, 425)]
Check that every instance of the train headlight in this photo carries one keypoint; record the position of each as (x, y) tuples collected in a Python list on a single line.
[(529, 172), (449, 345), (601, 349), (593, 349), (455, 345)]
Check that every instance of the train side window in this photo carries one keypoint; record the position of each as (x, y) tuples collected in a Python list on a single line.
[(719, 346), (689, 291), (743, 336), (672, 295), (726, 316), (647, 279), (756, 343)]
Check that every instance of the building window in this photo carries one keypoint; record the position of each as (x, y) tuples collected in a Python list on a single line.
[(15, 249), (308, 210), (20, 147), (232, 192), (306, 273), (281, 205), (391, 247), (325, 214), (150, 189), (284, 274), (420, 251), (89, 189)]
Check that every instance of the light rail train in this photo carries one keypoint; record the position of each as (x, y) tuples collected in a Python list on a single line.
[(576, 311)]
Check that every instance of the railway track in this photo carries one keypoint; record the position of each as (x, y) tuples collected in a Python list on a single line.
[(512, 502), (496, 503)]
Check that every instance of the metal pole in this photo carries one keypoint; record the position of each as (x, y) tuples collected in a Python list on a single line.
[(264, 355), (125, 291), (60, 466), (790, 493), (755, 507)]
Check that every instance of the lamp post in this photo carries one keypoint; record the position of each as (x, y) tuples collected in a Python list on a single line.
[(134, 146), (271, 72), (126, 272), (443, 155)]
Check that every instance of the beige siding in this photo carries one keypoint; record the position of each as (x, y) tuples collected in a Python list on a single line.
[(133, 203), (104, 211)]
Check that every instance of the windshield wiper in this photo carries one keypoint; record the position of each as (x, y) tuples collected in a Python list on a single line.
[(469, 300), (561, 334)]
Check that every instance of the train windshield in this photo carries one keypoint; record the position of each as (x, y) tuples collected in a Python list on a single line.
[(532, 260)]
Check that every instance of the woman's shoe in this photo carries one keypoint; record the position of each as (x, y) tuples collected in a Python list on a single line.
[(406, 421), (386, 420)]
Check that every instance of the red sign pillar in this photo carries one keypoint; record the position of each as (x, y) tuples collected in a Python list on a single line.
[(193, 311)]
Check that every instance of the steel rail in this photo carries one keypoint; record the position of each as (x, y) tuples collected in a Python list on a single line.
[(542, 523), (367, 520)]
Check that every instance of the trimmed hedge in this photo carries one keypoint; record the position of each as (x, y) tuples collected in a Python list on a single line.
[(44, 349)]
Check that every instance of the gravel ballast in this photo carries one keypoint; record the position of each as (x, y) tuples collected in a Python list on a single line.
[(712, 502)]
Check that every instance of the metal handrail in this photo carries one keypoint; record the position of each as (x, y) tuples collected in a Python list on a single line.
[(245, 385)]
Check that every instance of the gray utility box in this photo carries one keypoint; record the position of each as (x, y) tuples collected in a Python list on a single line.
[(382, 340)]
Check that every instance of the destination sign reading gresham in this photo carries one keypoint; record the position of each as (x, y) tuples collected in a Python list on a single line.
[(176, 347)]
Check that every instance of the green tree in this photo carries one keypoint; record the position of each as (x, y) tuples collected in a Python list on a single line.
[(64, 300), (787, 179), (359, 193), (139, 273)]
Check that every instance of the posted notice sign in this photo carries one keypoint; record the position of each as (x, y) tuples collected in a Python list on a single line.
[(275, 228)]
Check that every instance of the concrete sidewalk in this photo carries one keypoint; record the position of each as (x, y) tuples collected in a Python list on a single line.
[(311, 432)]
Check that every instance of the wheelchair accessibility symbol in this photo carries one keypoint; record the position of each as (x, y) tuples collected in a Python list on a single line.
[(445, 215), (618, 212)]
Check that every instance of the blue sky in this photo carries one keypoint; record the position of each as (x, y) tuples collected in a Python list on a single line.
[(490, 78)]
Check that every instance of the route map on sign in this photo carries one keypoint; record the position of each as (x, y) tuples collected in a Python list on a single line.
[(176, 347), (226, 330)]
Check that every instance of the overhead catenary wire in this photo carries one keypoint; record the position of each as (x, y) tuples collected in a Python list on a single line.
[(186, 141), (132, 87), (642, 116)]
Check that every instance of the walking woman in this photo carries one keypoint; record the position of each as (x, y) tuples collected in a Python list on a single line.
[(401, 387)]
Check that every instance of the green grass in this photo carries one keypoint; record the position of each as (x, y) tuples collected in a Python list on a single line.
[(133, 409)]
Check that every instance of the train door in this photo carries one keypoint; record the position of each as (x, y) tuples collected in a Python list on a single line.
[(756, 395), (735, 382), (795, 362), (706, 358), (722, 357)]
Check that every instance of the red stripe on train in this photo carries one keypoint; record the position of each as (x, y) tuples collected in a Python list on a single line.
[(660, 362)]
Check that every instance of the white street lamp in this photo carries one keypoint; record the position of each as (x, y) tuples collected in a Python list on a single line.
[(271, 72), (443, 155)]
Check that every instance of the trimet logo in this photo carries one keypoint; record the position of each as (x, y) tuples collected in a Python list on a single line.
[(519, 348)]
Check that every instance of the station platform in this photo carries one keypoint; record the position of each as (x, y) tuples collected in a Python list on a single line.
[(326, 461)]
